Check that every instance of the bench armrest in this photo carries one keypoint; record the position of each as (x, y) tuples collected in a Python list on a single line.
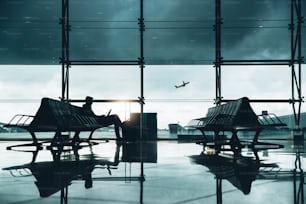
[(270, 119), (20, 120)]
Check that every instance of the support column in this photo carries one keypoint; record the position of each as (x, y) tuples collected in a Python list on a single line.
[(141, 98), (141, 60), (295, 27), (298, 181), (64, 60), (218, 57)]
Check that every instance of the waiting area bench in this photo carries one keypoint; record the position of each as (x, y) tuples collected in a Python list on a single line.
[(59, 117), (234, 116)]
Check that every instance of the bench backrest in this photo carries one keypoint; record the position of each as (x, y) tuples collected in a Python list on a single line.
[(59, 115), (237, 113)]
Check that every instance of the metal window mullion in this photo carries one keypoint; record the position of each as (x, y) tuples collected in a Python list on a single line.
[(218, 57)]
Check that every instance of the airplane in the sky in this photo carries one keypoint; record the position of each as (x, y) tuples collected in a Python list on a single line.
[(182, 85)]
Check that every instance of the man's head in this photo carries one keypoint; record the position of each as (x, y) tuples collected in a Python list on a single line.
[(88, 100)]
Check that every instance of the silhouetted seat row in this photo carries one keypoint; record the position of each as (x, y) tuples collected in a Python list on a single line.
[(56, 116), (234, 116)]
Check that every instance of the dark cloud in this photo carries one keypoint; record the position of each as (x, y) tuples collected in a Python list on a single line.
[(177, 31)]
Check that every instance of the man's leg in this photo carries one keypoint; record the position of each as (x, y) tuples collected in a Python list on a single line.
[(112, 120), (117, 122)]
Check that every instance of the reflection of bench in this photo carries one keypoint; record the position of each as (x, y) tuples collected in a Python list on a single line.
[(234, 116), (57, 175), (58, 117)]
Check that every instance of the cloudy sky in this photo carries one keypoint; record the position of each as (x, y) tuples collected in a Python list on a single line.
[(178, 45)]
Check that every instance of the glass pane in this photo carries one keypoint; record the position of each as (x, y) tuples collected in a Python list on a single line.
[(22, 88), (104, 30), (178, 93)]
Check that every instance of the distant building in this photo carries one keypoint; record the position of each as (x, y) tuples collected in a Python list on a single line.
[(289, 120), (175, 128)]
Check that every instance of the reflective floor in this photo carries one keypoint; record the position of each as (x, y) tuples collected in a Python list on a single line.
[(153, 172)]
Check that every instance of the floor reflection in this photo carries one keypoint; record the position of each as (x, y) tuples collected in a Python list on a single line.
[(242, 170), (153, 172), (57, 175), (239, 170)]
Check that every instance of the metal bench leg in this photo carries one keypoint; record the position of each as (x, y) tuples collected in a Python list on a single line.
[(64, 195), (76, 144), (217, 142), (56, 143), (255, 140), (205, 138), (90, 136), (34, 138), (36, 143), (56, 138), (34, 156), (235, 142), (56, 155), (76, 139)]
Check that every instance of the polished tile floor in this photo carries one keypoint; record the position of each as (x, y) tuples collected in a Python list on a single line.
[(163, 172)]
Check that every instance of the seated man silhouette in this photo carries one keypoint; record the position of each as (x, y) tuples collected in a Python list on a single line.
[(104, 120)]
